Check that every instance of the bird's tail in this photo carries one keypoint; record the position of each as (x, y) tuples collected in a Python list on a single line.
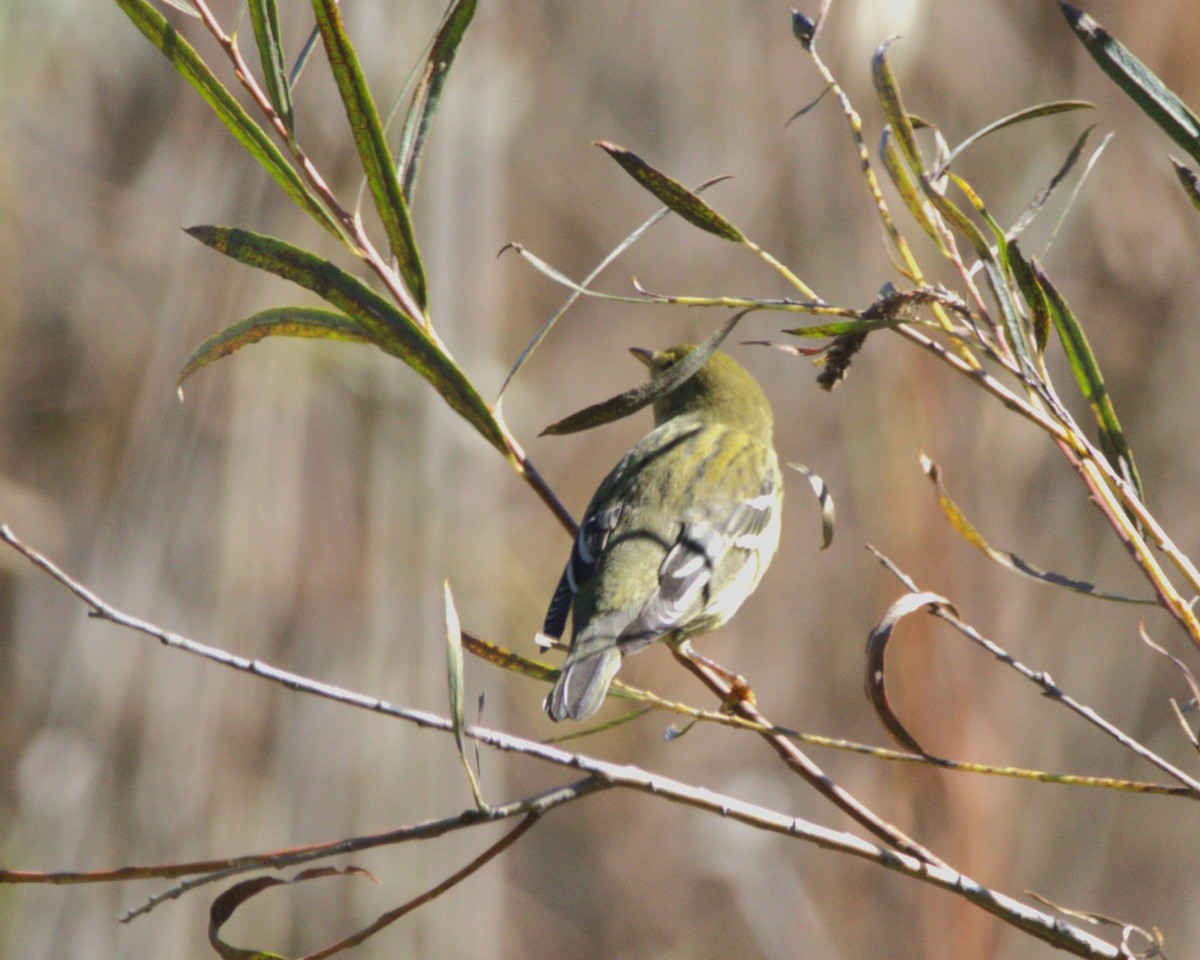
[(584, 681)]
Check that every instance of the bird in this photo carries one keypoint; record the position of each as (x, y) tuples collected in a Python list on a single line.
[(677, 535)]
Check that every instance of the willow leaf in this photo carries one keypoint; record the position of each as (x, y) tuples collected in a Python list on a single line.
[(673, 193), (264, 18), (371, 143), (249, 134), (309, 322), (392, 330), (429, 91)]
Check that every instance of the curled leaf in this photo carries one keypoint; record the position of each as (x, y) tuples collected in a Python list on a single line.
[(824, 499), (224, 906), (875, 685), (674, 194), (631, 401), (1010, 561)]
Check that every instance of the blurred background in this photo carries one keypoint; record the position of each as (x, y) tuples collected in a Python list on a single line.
[(306, 501)]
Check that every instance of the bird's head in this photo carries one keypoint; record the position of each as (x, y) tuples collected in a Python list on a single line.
[(722, 390)]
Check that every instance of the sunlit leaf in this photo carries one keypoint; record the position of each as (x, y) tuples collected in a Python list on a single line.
[(388, 327), (631, 401), (1091, 383), (824, 500), (454, 674), (264, 18), (673, 193), (1029, 113), (1152, 96), (887, 89), (249, 134), (429, 90), (1010, 561), (310, 322), (371, 143)]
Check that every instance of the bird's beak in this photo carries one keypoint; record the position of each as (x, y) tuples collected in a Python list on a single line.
[(646, 356)]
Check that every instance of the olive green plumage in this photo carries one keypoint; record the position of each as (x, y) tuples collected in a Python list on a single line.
[(678, 534)]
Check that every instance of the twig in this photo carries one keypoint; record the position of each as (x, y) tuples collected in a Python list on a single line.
[(1038, 924)]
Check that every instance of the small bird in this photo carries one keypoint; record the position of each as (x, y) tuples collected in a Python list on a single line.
[(678, 534)]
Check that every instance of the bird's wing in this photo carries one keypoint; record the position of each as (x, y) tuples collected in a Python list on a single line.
[(604, 515), (719, 536)]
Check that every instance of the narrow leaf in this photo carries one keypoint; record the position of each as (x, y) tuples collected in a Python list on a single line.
[(1091, 383), (875, 685), (902, 180), (308, 322), (631, 401), (224, 906), (429, 90), (1029, 113), (264, 18), (887, 89), (184, 7), (249, 134), (1039, 201), (1189, 181), (1010, 561), (371, 143), (454, 673), (392, 330), (1152, 96), (673, 193), (824, 500), (1033, 294), (842, 328)]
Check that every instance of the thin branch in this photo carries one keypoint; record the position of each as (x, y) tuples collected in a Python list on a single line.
[(1041, 925)]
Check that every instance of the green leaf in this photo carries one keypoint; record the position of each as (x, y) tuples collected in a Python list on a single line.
[(371, 143), (388, 327), (264, 18), (308, 322), (902, 180), (996, 269), (454, 672), (249, 134), (843, 328), (1033, 294), (1152, 96), (887, 89), (1091, 383), (1029, 113), (673, 193), (429, 90), (1189, 181), (631, 401)]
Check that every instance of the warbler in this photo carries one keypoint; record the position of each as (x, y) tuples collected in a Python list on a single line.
[(677, 535)]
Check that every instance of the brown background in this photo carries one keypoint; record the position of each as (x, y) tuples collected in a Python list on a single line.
[(306, 502)]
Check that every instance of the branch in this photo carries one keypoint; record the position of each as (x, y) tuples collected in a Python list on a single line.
[(1038, 924)]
